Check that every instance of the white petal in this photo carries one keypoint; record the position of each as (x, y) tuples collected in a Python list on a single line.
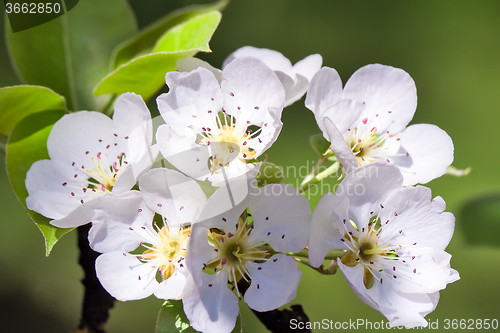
[(301, 74), (132, 122), (79, 216), (129, 177), (344, 114), (190, 63), (172, 195), (236, 168), (420, 219), (308, 66), (229, 201), (270, 129), (281, 218), (74, 141), (295, 87), (199, 252), (192, 102), (401, 307), (274, 59), (425, 270), (324, 91), (367, 187), (185, 155), (50, 192), (125, 277), (327, 228), (173, 287), (430, 152), (250, 90), (274, 284), (211, 308), (387, 92), (339, 147), (354, 277), (121, 223), (421, 304)]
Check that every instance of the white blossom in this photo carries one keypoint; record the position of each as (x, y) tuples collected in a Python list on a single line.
[(366, 122), (295, 78), (91, 156), (394, 239), (239, 247), (126, 223), (217, 131)]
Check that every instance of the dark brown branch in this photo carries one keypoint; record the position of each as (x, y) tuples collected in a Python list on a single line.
[(279, 321), (96, 301)]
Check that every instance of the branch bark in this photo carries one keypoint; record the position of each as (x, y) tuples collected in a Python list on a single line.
[(96, 300)]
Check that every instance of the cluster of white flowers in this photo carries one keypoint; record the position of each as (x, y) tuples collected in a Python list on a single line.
[(164, 237)]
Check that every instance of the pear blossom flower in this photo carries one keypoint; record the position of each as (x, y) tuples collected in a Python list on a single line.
[(126, 224), (394, 238), (91, 156), (237, 248), (217, 131), (366, 122), (295, 78)]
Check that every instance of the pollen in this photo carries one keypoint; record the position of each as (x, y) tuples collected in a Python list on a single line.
[(235, 252), (168, 251)]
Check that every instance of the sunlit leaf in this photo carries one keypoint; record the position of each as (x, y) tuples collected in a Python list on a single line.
[(70, 54), (143, 75), (480, 218), (146, 74), (18, 102), (193, 34), (27, 144), (147, 38)]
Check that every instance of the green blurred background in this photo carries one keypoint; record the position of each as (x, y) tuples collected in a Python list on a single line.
[(451, 49)]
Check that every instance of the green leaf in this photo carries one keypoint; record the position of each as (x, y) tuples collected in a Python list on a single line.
[(146, 74), (480, 218), (143, 75), (319, 143), (193, 34), (18, 102), (171, 319), (27, 144), (147, 38), (70, 54)]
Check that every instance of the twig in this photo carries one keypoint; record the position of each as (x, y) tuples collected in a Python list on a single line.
[(96, 301)]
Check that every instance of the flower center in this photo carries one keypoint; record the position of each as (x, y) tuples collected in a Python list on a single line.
[(235, 252), (228, 141), (168, 251), (104, 178), (365, 250), (364, 147)]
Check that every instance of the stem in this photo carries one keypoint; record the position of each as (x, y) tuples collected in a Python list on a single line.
[(332, 268), (451, 170), (319, 163), (332, 255), (319, 177), (96, 301)]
